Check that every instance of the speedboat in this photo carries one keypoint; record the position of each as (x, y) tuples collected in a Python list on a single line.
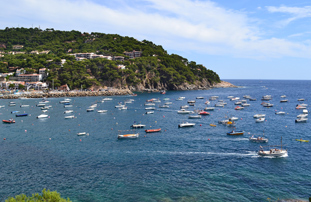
[(128, 136), (283, 96), (20, 115), (138, 125), (24, 106), (150, 108), (102, 111), (203, 113), (301, 120), (168, 103), (280, 113), (68, 106), (186, 125), (90, 109), (261, 119), (300, 107), (302, 115), (69, 117), (266, 97), (267, 105), (68, 111), (238, 103), (40, 105), (259, 115), (273, 152), (184, 107), (233, 118), (153, 130), (191, 101), (123, 108), (199, 97), (42, 116), (82, 133), (209, 108), (180, 98), (150, 112), (8, 121), (13, 112), (164, 106), (252, 99), (238, 108), (234, 132), (258, 139), (183, 111), (245, 105), (282, 101), (219, 105), (149, 104), (305, 111), (107, 99), (194, 117), (301, 99)]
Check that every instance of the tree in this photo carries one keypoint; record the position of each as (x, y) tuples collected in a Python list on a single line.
[(11, 85), (51, 196)]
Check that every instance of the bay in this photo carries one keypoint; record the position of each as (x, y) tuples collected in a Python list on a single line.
[(200, 163)]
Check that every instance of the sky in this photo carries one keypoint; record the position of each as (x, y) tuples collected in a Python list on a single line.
[(240, 39)]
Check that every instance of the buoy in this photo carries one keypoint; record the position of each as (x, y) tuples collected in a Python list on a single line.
[(165, 130), (78, 124), (241, 118), (111, 128), (155, 121), (117, 123), (49, 116), (21, 120), (163, 116), (208, 139), (285, 126), (200, 124), (80, 140), (69, 129), (144, 135), (50, 138), (4, 138), (25, 131)]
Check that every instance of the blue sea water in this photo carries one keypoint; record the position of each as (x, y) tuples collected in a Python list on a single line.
[(201, 163)]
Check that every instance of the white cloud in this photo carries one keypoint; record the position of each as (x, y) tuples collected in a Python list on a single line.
[(194, 26), (295, 12)]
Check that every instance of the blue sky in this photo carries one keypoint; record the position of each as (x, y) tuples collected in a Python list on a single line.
[(240, 39)]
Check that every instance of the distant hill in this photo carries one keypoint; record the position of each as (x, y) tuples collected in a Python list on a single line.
[(153, 68)]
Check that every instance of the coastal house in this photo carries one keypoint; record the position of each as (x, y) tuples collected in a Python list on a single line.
[(20, 71), (34, 52), (37, 85), (118, 58), (18, 46), (43, 72), (29, 77), (121, 66), (133, 54), (64, 88), (16, 84)]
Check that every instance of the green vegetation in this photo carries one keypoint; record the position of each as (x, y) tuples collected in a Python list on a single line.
[(50, 196), (154, 69)]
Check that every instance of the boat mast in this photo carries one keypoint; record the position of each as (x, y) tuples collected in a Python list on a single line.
[(281, 143)]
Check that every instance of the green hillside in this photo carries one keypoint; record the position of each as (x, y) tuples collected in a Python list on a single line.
[(154, 69)]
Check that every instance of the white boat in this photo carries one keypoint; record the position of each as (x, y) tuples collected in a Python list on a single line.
[(200, 97), (282, 101), (283, 96), (302, 115), (150, 112), (44, 102), (301, 120), (64, 101), (259, 139), (259, 120), (40, 105), (82, 133), (245, 105), (267, 105), (102, 111), (123, 108), (224, 121), (243, 101), (234, 98), (230, 96), (69, 117), (44, 110), (304, 105), (42, 116), (191, 101), (219, 105), (24, 106), (2, 106), (163, 99), (259, 115), (305, 111), (186, 125), (164, 106), (107, 99), (194, 117), (150, 108), (180, 98), (300, 107), (266, 97), (138, 125), (209, 108), (280, 113), (238, 103), (128, 136), (183, 111), (93, 106), (119, 106), (168, 103), (207, 102), (184, 107), (90, 109), (273, 152), (67, 106), (301, 99), (68, 111), (149, 104), (233, 118)]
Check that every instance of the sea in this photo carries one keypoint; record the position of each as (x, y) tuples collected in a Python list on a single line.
[(200, 163)]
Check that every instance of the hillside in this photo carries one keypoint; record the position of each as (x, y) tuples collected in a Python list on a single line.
[(154, 68)]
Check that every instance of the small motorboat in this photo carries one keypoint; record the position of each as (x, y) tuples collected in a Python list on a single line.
[(301, 120), (102, 111), (238, 103), (301, 99), (128, 136), (70, 117), (302, 115), (280, 113), (123, 108), (223, 121), (184, 107), (209, 108), (24, 106), (164, 106), (252, 99), (300, 107), (283, 96), (233, 118), (259, 115), (13, 112), (68, 111), (20, 115), (68, 106), (150, 112), (301, 140), (238, 108), (186, 125), (149, 104), (90, 109), (234, 132), (203, 113), (282, 101), (259, 120), (305, 111), (82, 133), (42, 116), (183, 111), (138, 126), (8, 121), (246, 105), (44, 110), (150, 108), (267, 105), (213, 125), (194, 117), (199, 97), (191, 101), (153, 130), (258, 139), (107, 99), (40, 105)]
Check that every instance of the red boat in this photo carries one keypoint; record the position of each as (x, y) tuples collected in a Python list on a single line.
[(204, 113), (153, 130), (8, 121), (163, 92)]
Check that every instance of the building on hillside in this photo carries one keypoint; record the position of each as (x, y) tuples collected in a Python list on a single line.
[(34, 52), (61, 63), (15, 83), (20, 71), (64, 88), (133, 54), (118, 58), (12, 69), (29, 77), (2, 45), (36, 85), (121, 67), (18, 46), (43, 72)]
